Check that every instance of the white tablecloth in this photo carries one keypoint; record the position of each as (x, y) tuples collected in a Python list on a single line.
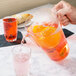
[(41, 65)]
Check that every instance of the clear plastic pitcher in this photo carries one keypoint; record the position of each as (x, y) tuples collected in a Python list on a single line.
[(48, 34)]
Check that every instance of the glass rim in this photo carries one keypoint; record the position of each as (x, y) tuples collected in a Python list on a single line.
[(57, 29), (19, 46), (10, 18)]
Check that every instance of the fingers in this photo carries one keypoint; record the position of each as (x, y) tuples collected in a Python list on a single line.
[(63, 19), (64, 23), (58, 6), (62, 7), (65, 4)]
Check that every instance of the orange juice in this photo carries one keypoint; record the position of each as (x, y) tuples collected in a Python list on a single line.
[(51, 39)]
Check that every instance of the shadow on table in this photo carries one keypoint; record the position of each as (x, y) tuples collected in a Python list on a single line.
[(69, 65)]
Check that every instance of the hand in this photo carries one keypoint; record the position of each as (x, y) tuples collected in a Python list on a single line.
[(65, 13)]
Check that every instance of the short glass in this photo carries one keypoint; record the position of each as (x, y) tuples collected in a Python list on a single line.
[(21, 59), (10, 29)]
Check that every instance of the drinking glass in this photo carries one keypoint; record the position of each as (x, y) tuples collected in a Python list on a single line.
[(21, 58), (10, 29)]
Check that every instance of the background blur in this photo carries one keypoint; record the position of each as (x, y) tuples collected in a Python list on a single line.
[(10, 7)]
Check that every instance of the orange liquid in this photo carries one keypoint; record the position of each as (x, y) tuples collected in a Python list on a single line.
[(10, 29), (54, 44)]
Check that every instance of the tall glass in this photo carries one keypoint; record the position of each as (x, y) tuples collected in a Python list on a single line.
[(21, 58), (10, 29)]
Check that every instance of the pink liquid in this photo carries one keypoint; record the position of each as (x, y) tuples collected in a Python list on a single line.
[(21, 63)]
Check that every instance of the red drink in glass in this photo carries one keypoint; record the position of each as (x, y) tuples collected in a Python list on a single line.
[(10, 29)]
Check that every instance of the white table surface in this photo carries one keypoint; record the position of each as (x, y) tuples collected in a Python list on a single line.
[(41, 65)]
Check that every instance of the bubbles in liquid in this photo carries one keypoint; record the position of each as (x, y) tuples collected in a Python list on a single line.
[(21, 57)]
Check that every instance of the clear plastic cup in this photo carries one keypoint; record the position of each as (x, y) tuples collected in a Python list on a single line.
[(21, 59)]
